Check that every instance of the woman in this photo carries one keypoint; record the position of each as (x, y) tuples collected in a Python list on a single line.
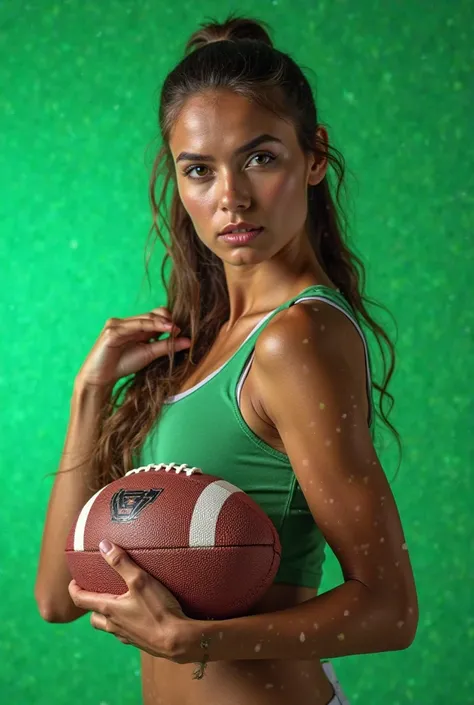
[(264, 380)]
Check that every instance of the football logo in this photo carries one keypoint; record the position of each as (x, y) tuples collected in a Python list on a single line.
[(127, 505)]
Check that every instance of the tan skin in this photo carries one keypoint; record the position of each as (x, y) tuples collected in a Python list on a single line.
[(271, 269), (319, 401), (259, 277)]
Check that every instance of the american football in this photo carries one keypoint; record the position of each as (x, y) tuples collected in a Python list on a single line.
[(204, 538)]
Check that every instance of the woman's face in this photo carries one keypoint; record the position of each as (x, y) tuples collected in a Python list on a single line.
[(222, 181)]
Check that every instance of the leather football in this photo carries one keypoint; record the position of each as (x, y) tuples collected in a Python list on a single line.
[(205, 539)]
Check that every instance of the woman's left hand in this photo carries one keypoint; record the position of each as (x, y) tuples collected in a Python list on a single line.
[(147, 616)]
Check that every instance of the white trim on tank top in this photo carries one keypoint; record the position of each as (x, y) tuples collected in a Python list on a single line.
[(187, 392), (181, 395), (245, 372)]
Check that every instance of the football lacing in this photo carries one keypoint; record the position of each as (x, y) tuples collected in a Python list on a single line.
[(183, 467)]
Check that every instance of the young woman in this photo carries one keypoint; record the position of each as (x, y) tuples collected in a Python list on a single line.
[(265, 380)]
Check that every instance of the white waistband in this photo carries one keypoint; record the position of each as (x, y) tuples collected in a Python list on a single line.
[(339, 697)]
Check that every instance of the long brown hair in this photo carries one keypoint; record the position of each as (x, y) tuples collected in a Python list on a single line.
[(236, 55)]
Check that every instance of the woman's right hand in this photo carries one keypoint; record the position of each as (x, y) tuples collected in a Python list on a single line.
[(123, 347)]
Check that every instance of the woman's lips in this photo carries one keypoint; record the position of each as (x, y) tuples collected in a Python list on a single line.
[(241, 238)]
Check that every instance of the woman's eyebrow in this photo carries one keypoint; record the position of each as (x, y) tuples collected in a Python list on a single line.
[(184, 156)]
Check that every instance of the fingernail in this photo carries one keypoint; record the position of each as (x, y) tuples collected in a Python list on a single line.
[(105, 546)]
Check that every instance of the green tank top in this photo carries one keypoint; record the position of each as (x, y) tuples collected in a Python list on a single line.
[(203, 427)]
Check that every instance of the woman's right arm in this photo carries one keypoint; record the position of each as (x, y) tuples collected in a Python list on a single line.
[(123, 347), (69, 494)]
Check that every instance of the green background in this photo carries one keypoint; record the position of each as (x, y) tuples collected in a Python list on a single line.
[(79, 84)]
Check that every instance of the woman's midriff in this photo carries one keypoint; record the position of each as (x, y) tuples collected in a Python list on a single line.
[(252, 682)]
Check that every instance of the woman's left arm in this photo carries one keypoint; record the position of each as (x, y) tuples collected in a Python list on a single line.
[(311, 379)]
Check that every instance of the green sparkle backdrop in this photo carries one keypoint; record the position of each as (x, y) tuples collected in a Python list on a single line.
[(78, 93)]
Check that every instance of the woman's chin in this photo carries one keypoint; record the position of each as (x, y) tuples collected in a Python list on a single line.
[(245, 256)]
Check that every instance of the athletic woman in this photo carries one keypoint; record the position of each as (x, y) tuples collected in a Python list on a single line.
[(264, 380)]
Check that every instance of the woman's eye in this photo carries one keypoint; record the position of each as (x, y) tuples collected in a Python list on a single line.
[(265, 155), (193, 168)]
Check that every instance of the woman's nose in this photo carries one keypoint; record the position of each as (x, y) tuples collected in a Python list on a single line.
[(234, 194)]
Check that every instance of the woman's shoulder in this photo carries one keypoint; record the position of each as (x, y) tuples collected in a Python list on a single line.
[(308, 348), (299, 329)]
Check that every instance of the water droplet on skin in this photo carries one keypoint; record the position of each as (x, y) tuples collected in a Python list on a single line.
[(302, 636), (404, 547), (323, 327), (221, 635), (344, 416), (331, 501), (316, 625), (346, 613), (322, 405), (366, 479), (305, 341), (327, 442), (340, 637), (357, 509), (269, 685), (400, 624), (305, 369), (338, 430), (270, 626), (382, 540), (313, 423), (258, 648), (305, 462), (315, 308)]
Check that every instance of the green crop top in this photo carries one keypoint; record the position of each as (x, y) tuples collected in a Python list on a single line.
[(203, 427)]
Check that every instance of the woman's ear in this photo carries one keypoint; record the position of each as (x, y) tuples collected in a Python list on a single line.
[(318, 162)]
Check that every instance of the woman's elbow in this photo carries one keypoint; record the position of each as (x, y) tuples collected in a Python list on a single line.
[(51, 612), (406, 620)]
